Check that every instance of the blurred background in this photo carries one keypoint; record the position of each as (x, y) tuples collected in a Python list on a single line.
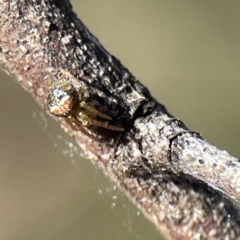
[(187, 53)]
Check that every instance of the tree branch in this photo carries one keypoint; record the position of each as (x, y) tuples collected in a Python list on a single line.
[(156, 160)]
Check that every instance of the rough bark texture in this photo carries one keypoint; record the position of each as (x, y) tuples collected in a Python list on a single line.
[(157, 161)]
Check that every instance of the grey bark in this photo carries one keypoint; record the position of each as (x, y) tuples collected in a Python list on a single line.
[(172, 174)]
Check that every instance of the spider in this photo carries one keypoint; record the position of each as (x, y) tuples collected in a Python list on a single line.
[(64, 100)]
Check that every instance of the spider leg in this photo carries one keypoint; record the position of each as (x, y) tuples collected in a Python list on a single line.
[(86, 120), (77, 126), (66, 73), (90, 107), (106, 125), (72, 123)]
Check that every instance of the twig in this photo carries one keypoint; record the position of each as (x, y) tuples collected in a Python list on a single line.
[(156, 159)]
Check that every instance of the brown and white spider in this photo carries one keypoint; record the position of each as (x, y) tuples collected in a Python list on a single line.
[(64, 100)]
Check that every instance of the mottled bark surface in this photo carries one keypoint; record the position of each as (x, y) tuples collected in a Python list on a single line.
[(156, 160)]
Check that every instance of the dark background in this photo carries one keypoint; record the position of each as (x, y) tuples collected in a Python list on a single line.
[(187, 52)]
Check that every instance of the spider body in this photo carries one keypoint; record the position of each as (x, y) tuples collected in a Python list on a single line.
[(64, 100)]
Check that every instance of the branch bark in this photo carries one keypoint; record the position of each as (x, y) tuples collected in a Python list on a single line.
[(157, 161)]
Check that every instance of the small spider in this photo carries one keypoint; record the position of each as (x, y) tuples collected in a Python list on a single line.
[(64, 100)]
